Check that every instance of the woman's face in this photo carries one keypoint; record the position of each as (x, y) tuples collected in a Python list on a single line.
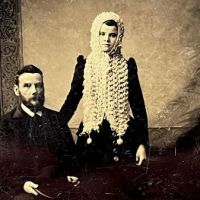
[(107, 37)]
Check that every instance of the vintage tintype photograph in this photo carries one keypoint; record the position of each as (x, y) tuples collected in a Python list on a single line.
[(99, 99)]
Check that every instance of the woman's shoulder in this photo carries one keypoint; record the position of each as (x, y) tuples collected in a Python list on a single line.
[(132, 66), (81, 59), (80, 65), (131, 60)]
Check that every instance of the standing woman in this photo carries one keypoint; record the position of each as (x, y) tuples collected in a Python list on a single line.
[(114, 125)]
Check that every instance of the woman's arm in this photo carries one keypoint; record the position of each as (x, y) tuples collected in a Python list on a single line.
[(75, 94), (137, 105)]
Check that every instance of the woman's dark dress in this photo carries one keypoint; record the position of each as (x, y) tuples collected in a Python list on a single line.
[(104, 148)]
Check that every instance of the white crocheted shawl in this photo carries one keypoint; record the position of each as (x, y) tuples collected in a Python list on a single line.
[(105, 93)]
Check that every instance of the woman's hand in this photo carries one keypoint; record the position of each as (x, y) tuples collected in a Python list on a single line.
[(141, 154), (30, 187)]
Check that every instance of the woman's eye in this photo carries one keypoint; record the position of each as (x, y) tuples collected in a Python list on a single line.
[(113, 35), (38, 85), (101, 33)]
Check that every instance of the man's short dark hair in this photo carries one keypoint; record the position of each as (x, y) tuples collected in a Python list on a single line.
[(27, 69)]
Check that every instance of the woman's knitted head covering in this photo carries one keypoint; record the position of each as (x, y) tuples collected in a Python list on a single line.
[(96, 26), (105, 93)]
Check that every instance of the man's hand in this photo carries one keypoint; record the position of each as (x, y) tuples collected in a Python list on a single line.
[(141, 154), (74, 180), (30, 187)]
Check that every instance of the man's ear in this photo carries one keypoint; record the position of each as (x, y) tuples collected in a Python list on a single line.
[(16, 90)]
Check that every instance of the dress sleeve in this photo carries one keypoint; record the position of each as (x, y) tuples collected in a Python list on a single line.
[(75, 94), (137, 104)]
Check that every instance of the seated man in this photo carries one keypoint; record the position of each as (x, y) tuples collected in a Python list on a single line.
[(34, 144)]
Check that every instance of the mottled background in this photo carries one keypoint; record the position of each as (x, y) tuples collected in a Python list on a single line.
[(162, 36)]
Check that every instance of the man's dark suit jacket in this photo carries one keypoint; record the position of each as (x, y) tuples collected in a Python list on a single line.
[(34, 149)]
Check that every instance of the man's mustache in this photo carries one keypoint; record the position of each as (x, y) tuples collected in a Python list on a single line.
[(38, 97)]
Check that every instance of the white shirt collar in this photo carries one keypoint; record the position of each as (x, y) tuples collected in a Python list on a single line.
[(29, 112)]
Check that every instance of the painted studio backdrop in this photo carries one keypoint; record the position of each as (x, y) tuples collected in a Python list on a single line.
[(162, 36)]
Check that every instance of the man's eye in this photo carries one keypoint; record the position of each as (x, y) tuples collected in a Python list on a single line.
[(27, 85)]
